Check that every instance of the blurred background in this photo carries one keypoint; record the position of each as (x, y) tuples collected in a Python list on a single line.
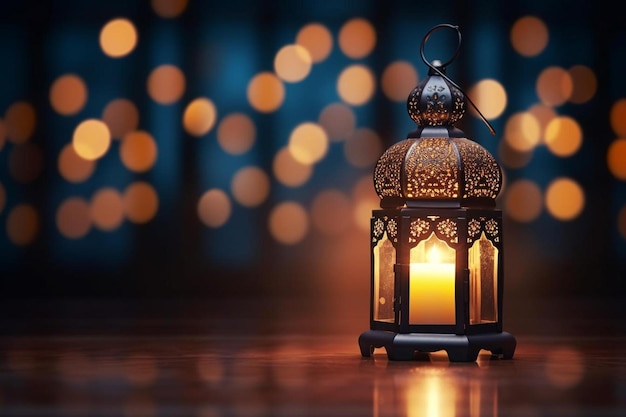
[(209, 150)]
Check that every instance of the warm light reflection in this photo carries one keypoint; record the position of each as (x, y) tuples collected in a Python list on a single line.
[(214, 208), (166, 84), (121, 117), (554, 86), (236, 133), (584, 82), (141, 202), (490, 97), (357, 38), (565, 199), (210, 369), (250, 186), (265, 92), (616, 158), (199, 116), (140, 369), (356, 85), (431, 395), (329, 211), (522, 132), (529, 36), (292, 63), (363, 148), (308, 143), (118, 37), (317, 39), (563, 136), (73, 218), (168, 8), (523, 201), (338, 120), (364, 200), (68, 94), (72, 167), (288, 223), (618, 117), (138, 151), (20, 119), (91, 139), (26, 162), (288, 171), (107, 209), (22, 224), (565, 367), (398, 79)]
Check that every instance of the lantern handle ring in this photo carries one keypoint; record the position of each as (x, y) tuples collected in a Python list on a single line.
[(439, 69)]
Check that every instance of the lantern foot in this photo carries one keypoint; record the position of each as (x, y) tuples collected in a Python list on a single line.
[(460, 348)]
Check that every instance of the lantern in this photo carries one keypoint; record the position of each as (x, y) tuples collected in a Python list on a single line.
[(436, 241)]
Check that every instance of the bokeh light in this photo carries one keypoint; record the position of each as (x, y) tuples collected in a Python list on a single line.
[(214, 208), (73, 218), (121, 117), (398, 79), (169, 9), (199, 116), (317, 39), (288, 223), (118, 37), (26, 162), (585, 84), (364, 200), (265, 92), (166, 84), (20, 120), (563, 136), (523, 201), (616, 158), (3, 134), (329, 210), (236, 133), (565, 199), (22, 224), (618, 117), (289, 171), (250, 186), (554, 86), (356, 85), (529, 36), (91, 139), (107, 209), (138, 151), (292, 63), (490, 98), (363, 148), (522, 132), (512, 158), (141, 202), (72, 167), (68, 94), (308, 143), (338, 120), (543, 115), (357, 38)]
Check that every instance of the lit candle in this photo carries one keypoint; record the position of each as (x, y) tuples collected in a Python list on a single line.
[(431, 292)]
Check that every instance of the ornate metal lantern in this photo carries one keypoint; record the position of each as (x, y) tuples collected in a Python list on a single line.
[(436, 241)]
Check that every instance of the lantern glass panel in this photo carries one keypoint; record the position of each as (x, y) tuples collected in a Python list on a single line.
[(384, 260), (483, 267), (432, 282)]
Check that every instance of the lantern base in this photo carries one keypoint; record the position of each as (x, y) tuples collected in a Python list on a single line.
[(460, 348)]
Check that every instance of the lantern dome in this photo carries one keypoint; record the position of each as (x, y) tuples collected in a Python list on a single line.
[(437, 165)]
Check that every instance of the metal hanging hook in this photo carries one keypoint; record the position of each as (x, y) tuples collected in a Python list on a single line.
[(439, 72)]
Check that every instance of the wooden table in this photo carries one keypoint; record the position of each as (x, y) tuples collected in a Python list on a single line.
[(201, 359)]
